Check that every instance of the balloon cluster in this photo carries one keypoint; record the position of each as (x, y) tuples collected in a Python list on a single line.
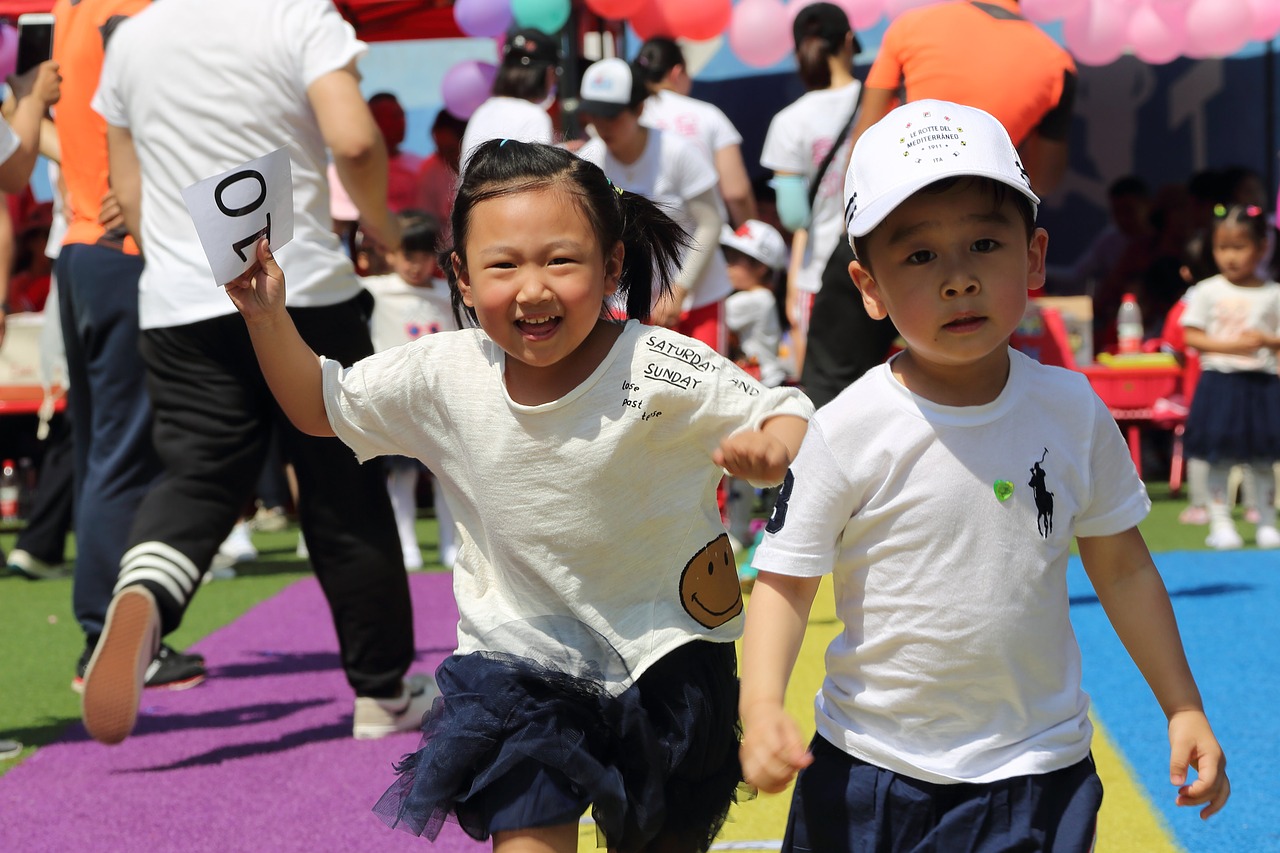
[(758, 31)]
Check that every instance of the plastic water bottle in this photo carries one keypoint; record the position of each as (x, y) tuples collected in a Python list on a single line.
[(1129, 325), (10, 492)]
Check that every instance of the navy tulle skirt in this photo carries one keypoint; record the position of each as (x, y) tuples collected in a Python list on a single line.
[(513, 744), (1235, 417)]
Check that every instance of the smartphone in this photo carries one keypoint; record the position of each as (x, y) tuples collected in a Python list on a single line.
[(35, 40)]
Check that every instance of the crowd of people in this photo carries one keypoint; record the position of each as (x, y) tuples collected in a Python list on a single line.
[(609, 354)]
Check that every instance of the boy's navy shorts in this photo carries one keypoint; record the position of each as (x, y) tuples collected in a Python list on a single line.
[(844, 805)]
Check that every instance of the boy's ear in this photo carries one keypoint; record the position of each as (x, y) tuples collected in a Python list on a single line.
[(866, 284), (1036, 253), (613, 268), (460, 276)]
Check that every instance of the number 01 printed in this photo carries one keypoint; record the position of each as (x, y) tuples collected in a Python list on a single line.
[(235, 209)]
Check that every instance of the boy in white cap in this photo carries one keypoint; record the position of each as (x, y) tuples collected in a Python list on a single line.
[(943, 491)]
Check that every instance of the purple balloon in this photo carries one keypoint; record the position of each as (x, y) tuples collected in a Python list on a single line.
[(466, 86), (482, 18), (8, 50)]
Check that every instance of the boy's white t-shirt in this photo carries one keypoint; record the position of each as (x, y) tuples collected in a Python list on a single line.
[(589, 535), (1226, 310), (241, 96), (957, 661), (752, 315), (403, 313), (671, 171), (797, 141), (691, 118), (501, 117)]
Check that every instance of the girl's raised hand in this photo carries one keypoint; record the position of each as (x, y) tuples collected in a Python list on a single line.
[(258, 293)]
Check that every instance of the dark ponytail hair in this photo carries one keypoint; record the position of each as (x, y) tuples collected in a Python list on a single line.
[(653, 243), (655, 60), (812, 63)]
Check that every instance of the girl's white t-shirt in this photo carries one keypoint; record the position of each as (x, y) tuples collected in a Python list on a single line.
[(589, 535), (1225, 310), (501, 117), (947, 531), (798, 140), (691, 118), (671, 171), (403, 313)]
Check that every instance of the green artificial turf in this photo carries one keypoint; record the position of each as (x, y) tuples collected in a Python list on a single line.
[(41, 641)]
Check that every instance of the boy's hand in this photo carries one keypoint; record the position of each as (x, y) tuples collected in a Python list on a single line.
[(43, 81), (1192, 743), (258, 293), (753, 455), (772, 750)]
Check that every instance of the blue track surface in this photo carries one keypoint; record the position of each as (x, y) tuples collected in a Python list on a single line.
[(1228, 609)]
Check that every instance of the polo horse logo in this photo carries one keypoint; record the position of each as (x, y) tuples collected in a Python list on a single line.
[(1044, 498)]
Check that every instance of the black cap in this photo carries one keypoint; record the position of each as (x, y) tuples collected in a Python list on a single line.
[(826, 21), (527, 46)]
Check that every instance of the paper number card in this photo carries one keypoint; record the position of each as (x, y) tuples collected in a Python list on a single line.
[(234, 210)]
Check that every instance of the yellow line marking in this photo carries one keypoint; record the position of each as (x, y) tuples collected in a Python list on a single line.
[(1128, 820)]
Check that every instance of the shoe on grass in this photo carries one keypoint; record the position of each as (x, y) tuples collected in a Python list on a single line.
[(1267, 537), (9, 749), (34, 569), (238, 546), (1194, 515), (375, 718), (117, 671), (1224, 537), (271, 519)]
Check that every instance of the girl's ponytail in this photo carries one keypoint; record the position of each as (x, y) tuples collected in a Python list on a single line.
[(653, 245)]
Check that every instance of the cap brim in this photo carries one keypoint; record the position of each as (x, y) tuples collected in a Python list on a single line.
[(733, 241), (874, 213), (604, 109)]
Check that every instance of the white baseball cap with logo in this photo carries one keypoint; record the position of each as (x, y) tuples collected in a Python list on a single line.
[(606, 87), (917, 144), (758, 240)]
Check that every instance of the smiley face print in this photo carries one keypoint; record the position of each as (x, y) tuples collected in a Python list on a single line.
[(709, 587)]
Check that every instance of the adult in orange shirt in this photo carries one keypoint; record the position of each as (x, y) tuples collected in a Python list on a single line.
[(97, 270), (985, 54)]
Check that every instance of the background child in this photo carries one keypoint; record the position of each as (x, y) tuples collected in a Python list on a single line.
[(596, 593), (755, 255), (1233, 320), (409, 302), (942, 491)]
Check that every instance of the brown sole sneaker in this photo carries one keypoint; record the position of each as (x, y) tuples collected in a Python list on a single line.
[(117, 672)]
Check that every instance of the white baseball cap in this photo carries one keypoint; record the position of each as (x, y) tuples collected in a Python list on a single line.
[(758, 240), (607, 87), (917, 144)]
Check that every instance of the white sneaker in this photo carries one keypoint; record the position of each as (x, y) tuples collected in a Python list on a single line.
[(238, 546), (413, 560), (375, 718), (1267, 537), (301, 551), (1224, 537)]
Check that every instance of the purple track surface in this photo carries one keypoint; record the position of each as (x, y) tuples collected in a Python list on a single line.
[(259, 757)]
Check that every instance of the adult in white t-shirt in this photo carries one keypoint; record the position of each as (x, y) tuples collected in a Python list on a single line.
[(523, 90), (675, 173), (660, 64), (189, 89)]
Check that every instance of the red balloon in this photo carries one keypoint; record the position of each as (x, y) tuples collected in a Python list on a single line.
[(651, 21), (697, 21), (615, 9)]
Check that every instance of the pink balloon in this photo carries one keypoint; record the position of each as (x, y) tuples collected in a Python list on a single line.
[(466, 86), (863, 14), (8, 50), (1156, 38), (1098, 34), (1266, 19), (894, 8), (1217, 27), (1052, 10), (482, 18), (753, 32)]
